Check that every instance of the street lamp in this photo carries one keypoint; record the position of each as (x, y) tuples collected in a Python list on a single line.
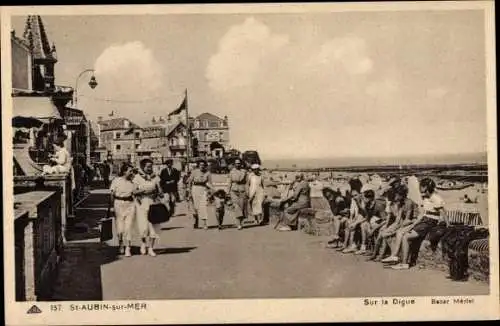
[(92, 85)]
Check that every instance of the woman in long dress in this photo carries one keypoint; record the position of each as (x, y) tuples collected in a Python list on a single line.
[(256, 193), (122, 189), (147, 190), (201, 186), (238, 193)]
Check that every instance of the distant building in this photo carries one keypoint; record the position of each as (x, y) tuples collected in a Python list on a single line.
[(119, 137), (163, 138), (211, 134)]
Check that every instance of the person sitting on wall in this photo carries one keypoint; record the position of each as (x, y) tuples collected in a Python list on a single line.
[(374, 214), (354, 218), (301, 198), (60, 161), (432, 213), (339, 207)]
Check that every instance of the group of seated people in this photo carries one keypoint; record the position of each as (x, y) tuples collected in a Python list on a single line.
[(384, 226)]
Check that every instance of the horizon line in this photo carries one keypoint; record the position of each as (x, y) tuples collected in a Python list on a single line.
[(378, 157)]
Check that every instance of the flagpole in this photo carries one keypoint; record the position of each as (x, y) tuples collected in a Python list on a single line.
[(188, 148)]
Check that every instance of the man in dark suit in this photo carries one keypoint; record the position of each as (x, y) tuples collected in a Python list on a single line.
[(169, 179)]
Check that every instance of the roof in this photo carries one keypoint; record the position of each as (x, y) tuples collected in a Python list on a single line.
[(208, 116), (18, 40), (36, 36), (175, 128), (40, 107), (117, 124)]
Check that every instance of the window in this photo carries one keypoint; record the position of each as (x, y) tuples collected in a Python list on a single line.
[(118, 135), (118, 147), (136, 146), (137, 134)]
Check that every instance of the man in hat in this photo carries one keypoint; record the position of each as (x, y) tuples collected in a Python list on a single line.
[(169, 179)]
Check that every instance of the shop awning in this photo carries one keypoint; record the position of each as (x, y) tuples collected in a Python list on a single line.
[(34, 107)]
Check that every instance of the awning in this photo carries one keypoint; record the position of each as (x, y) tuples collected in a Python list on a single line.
[(34, 107)]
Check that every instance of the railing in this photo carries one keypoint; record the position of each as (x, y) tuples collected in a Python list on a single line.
[(38, 243)]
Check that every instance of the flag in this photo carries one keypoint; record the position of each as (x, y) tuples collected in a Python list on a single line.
[(181, 107)]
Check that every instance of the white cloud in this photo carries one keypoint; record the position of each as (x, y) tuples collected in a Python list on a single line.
[(242, 51), (286, 88), (348, 53), (129, 60), (124, 72)]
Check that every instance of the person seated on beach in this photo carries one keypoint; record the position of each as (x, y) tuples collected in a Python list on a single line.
[(355, 218), (432, 213), (373, 211), (300, 198), (340, 211), (405, 212), (60, 161)]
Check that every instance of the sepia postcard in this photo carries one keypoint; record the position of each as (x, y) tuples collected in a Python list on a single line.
[(250, 163)]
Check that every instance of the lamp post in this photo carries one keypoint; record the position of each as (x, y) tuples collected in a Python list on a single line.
[(92, 85)]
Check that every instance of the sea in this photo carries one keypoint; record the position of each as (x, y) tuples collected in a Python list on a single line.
[(332, 162)]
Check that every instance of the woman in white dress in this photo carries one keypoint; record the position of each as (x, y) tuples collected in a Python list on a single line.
[(60, 160), (147, 190), (122, 189), (201, 186), (256, 192)]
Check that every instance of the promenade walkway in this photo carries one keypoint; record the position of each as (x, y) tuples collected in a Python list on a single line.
[(256, 262)]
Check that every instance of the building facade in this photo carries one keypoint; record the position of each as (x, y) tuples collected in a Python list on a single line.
[(211, 134), (120, 138), (163, 138)]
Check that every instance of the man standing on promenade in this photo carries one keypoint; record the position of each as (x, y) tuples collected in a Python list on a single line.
[(169, 179), (106, 173)]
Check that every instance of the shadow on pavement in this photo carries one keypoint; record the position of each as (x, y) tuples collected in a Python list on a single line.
[(79, 275), (168, 251), (172, 228)]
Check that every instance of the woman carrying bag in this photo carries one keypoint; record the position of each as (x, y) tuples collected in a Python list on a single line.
[(150, 211)]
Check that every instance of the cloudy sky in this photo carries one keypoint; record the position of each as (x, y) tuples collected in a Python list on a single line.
[(293, 86)]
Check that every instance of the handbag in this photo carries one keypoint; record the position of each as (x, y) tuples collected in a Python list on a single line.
[(158, 213), (107, 226)]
